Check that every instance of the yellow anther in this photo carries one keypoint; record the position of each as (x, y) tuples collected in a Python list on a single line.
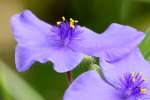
[(71, 19), (132, 74), (143, 90), (140, 73), (76, 21), (72, 23), (63, 18), (58, 22), (144, 79), (133, 79)]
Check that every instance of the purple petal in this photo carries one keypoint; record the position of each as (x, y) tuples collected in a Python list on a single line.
[(26, 56), (28, 29), (36, 41), (63, 59), (116, 42), (90, 86), (86, 41), (134, 62)]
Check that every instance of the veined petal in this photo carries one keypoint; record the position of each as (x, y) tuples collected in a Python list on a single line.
[(116, 42), (134, 62), (86, 41), (90, 86), (28, 29), (25, 57), (63, 59)]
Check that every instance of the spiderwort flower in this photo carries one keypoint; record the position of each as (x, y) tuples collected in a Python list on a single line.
[(129, 79), (66, 43)]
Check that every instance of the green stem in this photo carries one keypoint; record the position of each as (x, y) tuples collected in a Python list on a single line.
[(69, 77)]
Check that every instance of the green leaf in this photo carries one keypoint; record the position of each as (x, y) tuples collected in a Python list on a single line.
[(145, 45), (15, 86)]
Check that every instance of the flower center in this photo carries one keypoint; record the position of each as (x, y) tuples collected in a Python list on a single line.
[(66, 29), (132, 85)]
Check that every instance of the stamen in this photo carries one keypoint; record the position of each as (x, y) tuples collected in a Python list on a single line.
[(140, 73), (133, 79), (58, 22), (144, 79), (72, 23), (143, 90), (63, 18), (76, 21), (132, 84), (132, 74), (66, 30)]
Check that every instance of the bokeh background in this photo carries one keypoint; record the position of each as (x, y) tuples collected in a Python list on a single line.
[(41, 82)]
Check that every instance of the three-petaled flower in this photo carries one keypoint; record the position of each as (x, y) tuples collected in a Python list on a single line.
[(126, 79), (66, 43)]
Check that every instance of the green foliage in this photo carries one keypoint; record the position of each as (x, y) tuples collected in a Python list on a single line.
[(15, 88), (146, 1), (125, 9), (145, 45), (50, 84)]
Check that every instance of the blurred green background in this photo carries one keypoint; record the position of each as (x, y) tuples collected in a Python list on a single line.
[(41, 82)]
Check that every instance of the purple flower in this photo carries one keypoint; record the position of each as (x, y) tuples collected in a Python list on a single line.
[(127, 79), (66, 43)]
